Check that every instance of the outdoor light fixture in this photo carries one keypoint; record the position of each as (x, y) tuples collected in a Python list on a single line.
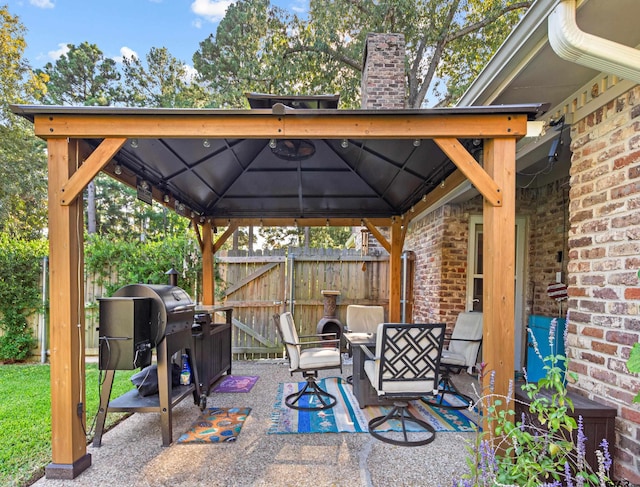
[(442, 185), (417, 142), (344, 144), (166, 198), (292, 149), (327, 222), (134, 143), (206, 143), (117, 169)]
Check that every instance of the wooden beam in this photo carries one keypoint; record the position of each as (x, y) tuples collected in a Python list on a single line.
[(196, 230), (377, 234), (225, 236), (66, 246), (301, 222), (395, 271), (89, 169), (208, 271), (499, 269), (471, 169), (265, 125)]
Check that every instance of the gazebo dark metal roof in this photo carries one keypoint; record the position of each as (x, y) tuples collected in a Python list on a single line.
[(229, 177)]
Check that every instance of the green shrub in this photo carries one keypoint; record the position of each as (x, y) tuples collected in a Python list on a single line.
[(20, 297)]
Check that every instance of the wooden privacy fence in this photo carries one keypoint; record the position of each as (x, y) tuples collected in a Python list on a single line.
[(258, 286)]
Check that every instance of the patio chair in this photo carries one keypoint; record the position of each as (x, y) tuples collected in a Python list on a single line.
[(324, 355), (363, 319), (461, 353), (405, 367)]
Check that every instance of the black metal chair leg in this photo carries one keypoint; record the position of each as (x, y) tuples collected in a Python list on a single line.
[(312, 389), (401, 413), (446, 386)]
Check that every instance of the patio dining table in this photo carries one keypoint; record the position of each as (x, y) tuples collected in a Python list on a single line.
[(362, 388)]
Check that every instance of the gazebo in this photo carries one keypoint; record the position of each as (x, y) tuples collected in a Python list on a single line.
[(298, 161)]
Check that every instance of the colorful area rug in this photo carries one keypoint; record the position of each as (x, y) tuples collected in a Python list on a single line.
[(347, 417), (236, 383), (216, 425)]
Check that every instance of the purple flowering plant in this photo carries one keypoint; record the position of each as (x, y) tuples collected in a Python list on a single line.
[(544, 448)]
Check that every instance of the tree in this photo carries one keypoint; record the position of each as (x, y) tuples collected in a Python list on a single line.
[(245, 54), (165, 82), (82, 76), (448, 42), (22, 158)]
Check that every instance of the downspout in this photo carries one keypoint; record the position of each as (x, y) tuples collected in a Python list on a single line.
[(572, 44)]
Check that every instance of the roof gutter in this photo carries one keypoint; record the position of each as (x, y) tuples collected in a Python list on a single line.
[(572, 44)]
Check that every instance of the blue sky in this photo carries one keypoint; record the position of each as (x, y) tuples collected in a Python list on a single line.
[(121, 27)]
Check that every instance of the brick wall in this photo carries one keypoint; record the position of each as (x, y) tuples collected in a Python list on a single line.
[(604, 253), (548, 229), (440, 241), (383, 78)]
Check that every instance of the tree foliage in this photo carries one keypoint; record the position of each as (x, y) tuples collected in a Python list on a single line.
[(245, 55), (82, 76), (22, 157), (163, 82), (259, 48)]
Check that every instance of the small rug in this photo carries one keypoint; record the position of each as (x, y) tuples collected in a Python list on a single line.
[(216, 425), (236, 383), (347, 417)]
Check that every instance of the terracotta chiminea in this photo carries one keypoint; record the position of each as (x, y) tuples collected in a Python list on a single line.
[(330, 323)]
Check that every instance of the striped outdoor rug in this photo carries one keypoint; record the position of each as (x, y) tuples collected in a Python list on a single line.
[(347, 417)]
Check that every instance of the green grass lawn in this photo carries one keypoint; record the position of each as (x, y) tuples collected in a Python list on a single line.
[(25, 417)]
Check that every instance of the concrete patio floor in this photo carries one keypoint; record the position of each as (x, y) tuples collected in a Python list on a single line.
[(132, 454)]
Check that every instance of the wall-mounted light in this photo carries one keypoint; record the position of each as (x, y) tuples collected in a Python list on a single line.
[(417, 142), (273, 144), (166, 198), (134, 143), (344, 144), (442, 184), (117, 169), (206, 143), (327, 222)]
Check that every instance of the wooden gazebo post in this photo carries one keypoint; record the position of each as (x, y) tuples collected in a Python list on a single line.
[(499, 266), (66, 277)]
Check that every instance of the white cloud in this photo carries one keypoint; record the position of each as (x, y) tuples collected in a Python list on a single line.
[(42, 3), (211, 10), (125, 52), (190, 73), (63, 48), (197, 23)]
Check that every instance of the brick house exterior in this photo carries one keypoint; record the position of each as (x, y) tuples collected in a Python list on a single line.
[(604, 253)]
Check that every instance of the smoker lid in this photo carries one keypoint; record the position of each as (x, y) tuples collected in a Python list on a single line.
[(166, 301)]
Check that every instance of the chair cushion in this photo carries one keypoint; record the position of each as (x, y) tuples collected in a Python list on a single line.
[(406, 388), (364, 319), (468, 327), (452, 358), (320, 357)]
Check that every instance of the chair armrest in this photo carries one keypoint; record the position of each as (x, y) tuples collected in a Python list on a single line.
[(367, 351), (318, 335), (313, 342)]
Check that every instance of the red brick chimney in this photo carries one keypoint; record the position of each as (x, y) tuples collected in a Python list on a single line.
[(383, 77)]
